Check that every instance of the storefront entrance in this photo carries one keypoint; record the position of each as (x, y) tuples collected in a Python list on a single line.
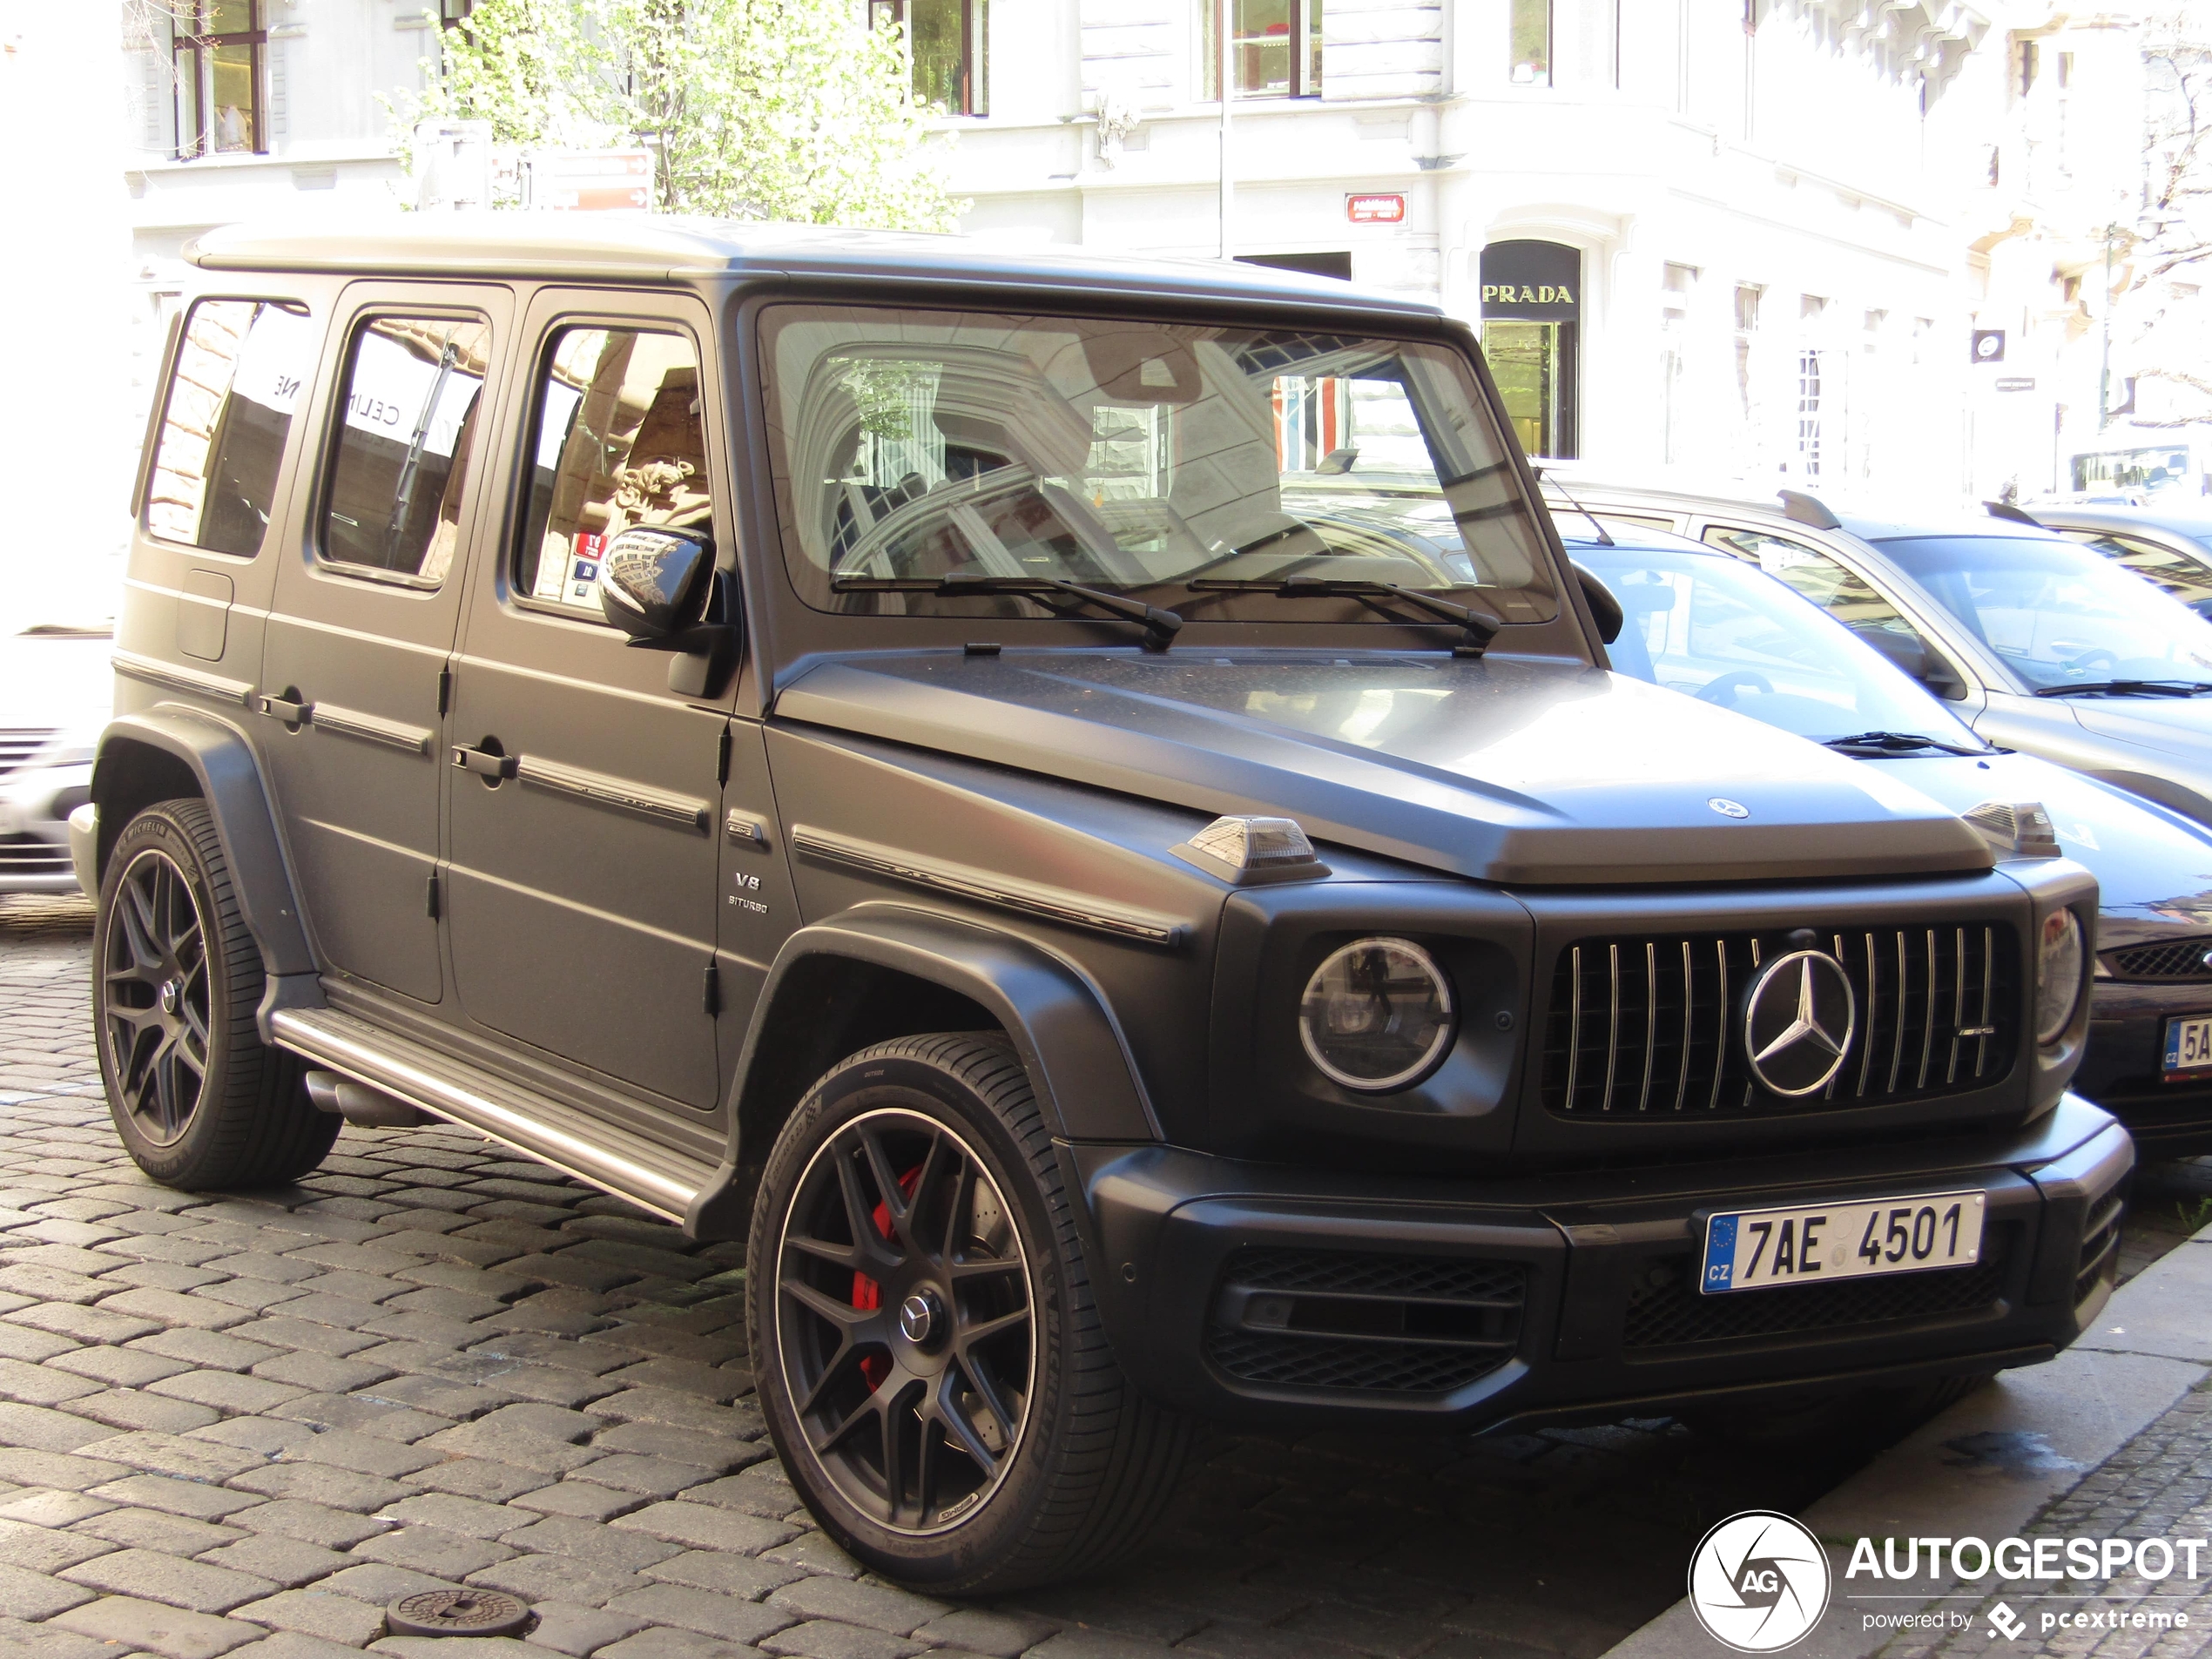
[(1532, 307)]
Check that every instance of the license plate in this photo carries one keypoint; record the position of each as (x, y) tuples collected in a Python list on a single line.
[(1755, 1250), (2189, 1044)]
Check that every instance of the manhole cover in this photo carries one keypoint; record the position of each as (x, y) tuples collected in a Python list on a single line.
[(457, 1612)]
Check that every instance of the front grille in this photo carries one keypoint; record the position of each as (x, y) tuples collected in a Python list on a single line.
[(19, 744), (1666, 1310), (2190, 959), (1653, 1026), (28, 855), (2099, 1258), (1355, 1319)]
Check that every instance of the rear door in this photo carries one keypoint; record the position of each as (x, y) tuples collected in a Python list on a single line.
[(586, 796), (364, 618)]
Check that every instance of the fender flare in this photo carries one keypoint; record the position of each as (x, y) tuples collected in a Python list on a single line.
[(222, 760), (1077, 1058)]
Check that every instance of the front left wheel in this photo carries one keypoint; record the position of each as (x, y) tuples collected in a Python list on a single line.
[(199, 1100)]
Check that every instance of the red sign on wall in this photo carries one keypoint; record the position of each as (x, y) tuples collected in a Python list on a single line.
[(1375, 210)]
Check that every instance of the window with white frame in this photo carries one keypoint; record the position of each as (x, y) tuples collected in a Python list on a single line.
[(217, 47), (1274, 48), (949, 45)]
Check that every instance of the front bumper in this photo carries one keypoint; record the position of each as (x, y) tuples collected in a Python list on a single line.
[(2124, 1068), (34, 806), (1262, 1294)]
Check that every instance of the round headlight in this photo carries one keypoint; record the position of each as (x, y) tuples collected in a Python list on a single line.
[(2058, 974), (1376, 1015)]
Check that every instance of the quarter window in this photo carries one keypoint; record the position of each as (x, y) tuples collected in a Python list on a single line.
[(223, 424), (620, 440), (414, 387), (218, 47)]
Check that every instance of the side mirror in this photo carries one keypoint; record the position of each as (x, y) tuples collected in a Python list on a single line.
[(652, 584), (1605, 609)]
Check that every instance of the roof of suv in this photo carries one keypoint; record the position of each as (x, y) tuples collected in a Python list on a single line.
[(660, 248), (1812, 512)]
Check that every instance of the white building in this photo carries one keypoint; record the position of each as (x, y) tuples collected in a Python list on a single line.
[(1732, 236)]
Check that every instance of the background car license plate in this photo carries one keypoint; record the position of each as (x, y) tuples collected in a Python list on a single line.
[(2188, 1043), (1812, 1244)]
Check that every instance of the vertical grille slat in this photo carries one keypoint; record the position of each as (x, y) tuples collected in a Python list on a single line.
[(1914, 988)]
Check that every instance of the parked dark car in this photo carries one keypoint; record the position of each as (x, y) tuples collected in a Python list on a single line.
[(1713, 626), (846, 742)]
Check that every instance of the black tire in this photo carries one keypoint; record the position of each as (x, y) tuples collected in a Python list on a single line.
[(1083, 1463), (199, 1101)]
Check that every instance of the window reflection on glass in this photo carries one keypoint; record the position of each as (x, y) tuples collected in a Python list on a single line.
[(949, 45), (2189, 580), (218, 46), (621, 440), (398, 478), (1842, 592), (1138, 456), (223, 424), (1275, 47), (1532, 42)]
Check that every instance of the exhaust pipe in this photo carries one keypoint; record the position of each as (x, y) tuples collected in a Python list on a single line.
[(359, 1105)]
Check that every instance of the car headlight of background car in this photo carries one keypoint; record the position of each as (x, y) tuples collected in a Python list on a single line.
[(1377, 1015)]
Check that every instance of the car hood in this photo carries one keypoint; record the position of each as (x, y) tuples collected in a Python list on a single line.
[(1504, 770), (2180, 726), (2154, 868), (55, 682)]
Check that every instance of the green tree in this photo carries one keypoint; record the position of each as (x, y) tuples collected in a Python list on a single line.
[(753, 108)]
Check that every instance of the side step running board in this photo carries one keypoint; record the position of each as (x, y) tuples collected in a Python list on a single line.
[(624, 1164)]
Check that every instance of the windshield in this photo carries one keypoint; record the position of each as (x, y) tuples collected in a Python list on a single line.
[(2055, 613), (911, 446), (1713, 626)]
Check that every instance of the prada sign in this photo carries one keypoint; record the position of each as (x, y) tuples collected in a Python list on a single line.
[(1540, 282)]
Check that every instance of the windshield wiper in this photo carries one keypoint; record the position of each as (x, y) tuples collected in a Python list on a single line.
[(1160, 626), (1480, 626), (1897, 743), (2130, 688)]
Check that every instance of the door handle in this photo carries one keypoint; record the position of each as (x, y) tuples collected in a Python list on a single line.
[(484, 763), (292, 713)]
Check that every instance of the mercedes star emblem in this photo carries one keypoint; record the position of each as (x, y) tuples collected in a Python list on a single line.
[(1798, 1020)]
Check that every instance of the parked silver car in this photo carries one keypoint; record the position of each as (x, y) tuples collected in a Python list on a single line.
[(1701, 622), (2173, 549), (56, 690), (2036, 643)]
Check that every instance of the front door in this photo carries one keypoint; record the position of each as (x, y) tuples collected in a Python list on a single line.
[(364, 621), (586, 796)]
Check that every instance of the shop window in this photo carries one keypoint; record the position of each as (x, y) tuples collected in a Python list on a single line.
[(1532, 42), (400, 468), (621, 441), (949, 44), (224, 422), (1274, 47), (1532, 310), (218, 45)]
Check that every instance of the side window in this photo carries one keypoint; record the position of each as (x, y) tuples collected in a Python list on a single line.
[(414, 387), (1845, 595), (223, 424), (2187, 579), (620, 440)]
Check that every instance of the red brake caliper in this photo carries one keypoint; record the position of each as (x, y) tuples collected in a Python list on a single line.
[(866, 1293)]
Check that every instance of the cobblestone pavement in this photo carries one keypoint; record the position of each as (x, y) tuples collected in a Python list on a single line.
[(2157, 1486), (243, 1424)]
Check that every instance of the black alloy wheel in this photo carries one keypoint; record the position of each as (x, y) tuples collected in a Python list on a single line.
[(199, 1100), (906, 1322), (153, 1015)]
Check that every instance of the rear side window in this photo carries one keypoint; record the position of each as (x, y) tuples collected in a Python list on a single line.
[(224, 422), (2187, 579), (1843, 593), (413, 392), (620, 440)]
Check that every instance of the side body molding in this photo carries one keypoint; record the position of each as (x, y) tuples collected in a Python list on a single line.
[(1085, 1076), (230, 780)]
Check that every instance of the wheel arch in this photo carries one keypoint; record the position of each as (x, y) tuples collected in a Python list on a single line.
[(163, 753), (884, 971)]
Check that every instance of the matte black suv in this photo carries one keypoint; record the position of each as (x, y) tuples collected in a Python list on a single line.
[(1079, 804)]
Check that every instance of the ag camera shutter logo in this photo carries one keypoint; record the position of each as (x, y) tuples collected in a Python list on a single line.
[(1759, 1582)]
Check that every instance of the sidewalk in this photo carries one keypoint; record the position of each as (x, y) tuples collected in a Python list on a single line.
[(2111, 1440)]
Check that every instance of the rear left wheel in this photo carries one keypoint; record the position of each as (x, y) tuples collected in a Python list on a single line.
[(199, 1100)]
